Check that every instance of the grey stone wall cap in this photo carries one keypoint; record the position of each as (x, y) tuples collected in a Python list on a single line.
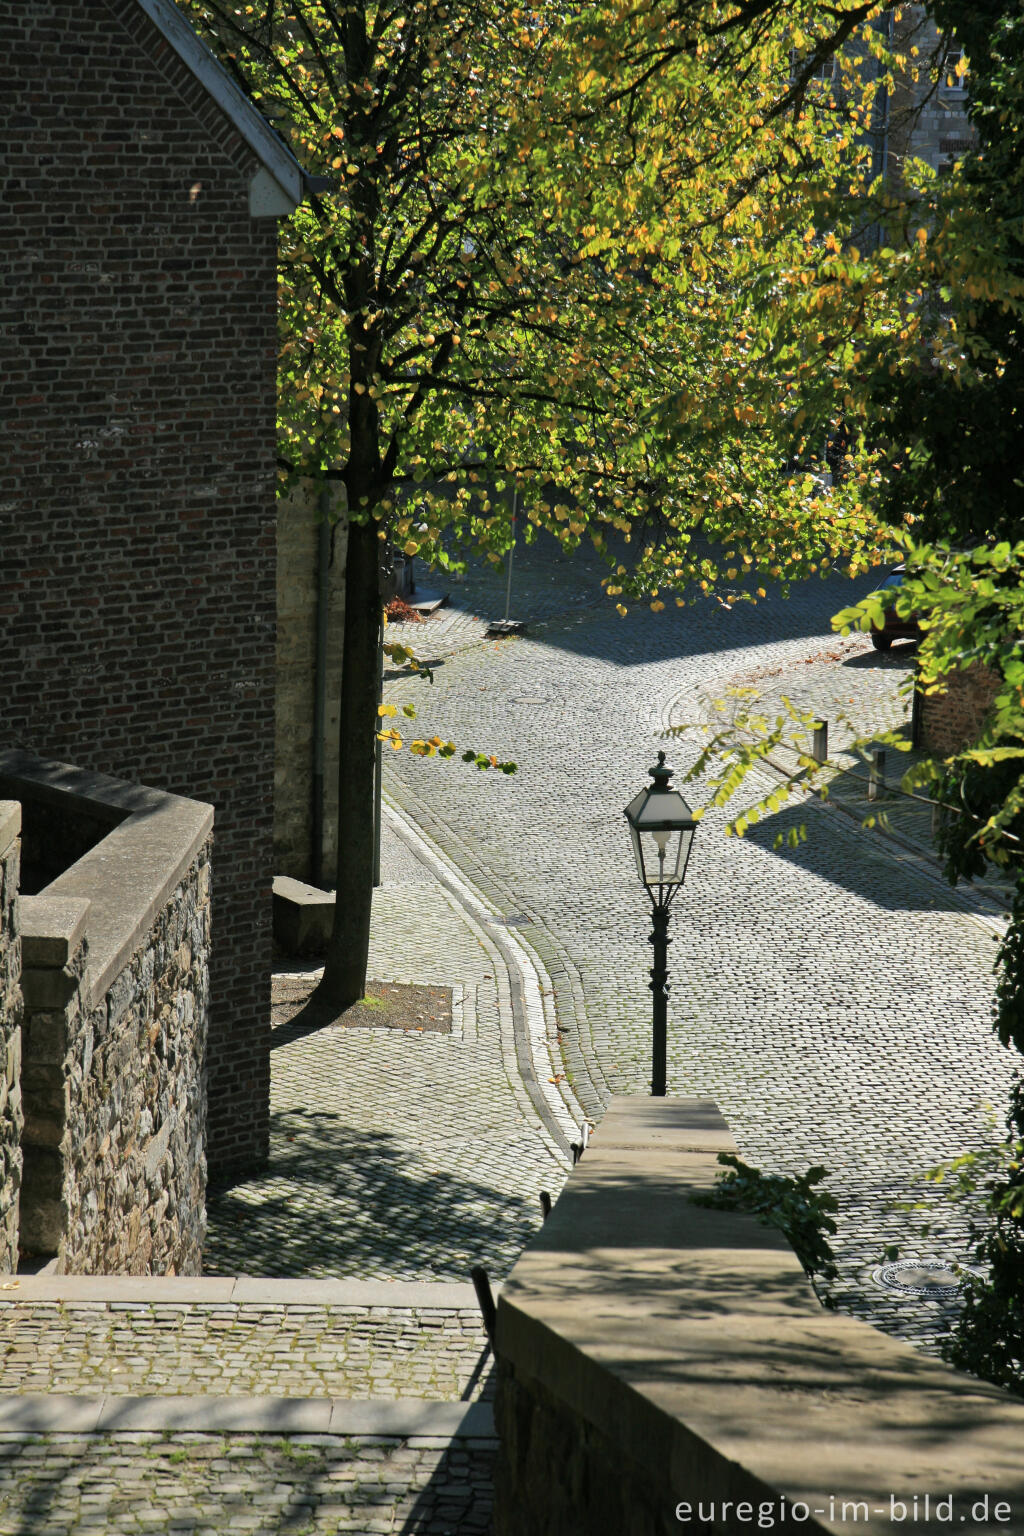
[(129, 875), (10, 823), (51, 928), (691, 1338), (403, 1418), (242, 1290), (288, 889)]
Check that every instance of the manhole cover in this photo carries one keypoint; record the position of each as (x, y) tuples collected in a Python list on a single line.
[(527, 698), (919, 1277)]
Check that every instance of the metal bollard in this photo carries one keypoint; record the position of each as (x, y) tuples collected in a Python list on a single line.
[(485, 1300), (545, 1203), (819, 742), (876, 776)]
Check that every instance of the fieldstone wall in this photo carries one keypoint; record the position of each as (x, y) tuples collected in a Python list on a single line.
[(950, 720), (299, 548), (10, 1036), (557, 1475), (115, 1175)]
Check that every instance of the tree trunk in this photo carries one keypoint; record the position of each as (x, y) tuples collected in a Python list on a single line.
[(344, 979)]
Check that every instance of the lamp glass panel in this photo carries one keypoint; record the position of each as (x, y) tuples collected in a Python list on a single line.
[(664, 852)]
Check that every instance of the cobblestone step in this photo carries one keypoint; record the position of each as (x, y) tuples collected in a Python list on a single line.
[(104, 1336), (210, 1484)]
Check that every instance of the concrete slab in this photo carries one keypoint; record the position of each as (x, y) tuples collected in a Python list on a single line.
[(407, 1417), (51, 928), (215, 1415), (144, 1289), (10, 823), (49, 1414), (302, 916), (448, 1296)]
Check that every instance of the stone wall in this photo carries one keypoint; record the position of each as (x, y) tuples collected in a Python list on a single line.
[(115, 975), (954, 718), (929, 124), (138, 482), (298, 558), (10, 1036), (665, 1367)]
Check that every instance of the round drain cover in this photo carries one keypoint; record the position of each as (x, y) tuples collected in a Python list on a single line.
[(919, 1277)]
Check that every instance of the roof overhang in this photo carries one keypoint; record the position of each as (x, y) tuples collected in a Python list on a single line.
[(280, 184)]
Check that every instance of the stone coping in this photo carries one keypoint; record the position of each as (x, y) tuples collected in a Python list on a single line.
[(238, 1290), (691, 1340), (10, 823), (400, 1418), (129, 875)]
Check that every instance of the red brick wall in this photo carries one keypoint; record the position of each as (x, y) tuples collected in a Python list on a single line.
[(954, 718), (137, 359)]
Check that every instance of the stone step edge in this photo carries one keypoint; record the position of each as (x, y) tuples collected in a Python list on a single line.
[(241, 1290), (400, 1418)]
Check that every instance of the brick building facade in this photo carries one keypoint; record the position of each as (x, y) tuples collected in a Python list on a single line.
[(137, 492)]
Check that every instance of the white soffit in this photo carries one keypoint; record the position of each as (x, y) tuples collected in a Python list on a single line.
[(278, 187)]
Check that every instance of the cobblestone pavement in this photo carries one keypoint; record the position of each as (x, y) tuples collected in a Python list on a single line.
[(545, 585), (396, 1155), (230, 1350), (833, 998), (860, 693), (209, 1485)]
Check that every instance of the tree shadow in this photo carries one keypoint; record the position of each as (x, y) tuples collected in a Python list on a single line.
[(336, 1200), (890, 882), (284, 1479)]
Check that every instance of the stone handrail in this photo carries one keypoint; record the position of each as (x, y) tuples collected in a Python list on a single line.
[(665, 1367)]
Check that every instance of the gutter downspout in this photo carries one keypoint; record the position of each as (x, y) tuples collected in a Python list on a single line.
[(323, 566)]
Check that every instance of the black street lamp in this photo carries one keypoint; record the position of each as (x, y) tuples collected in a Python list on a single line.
[(662, 826)]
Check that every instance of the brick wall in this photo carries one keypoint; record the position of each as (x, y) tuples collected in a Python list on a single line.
[(11, 1120), (954, 718), (137, 489)]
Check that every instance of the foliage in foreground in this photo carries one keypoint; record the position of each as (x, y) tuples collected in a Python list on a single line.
[(550, 270), (801, 1212)]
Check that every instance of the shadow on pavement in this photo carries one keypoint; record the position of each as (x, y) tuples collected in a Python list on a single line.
[(340, 1201), (900, 659), (283, 1480), (876, 872)]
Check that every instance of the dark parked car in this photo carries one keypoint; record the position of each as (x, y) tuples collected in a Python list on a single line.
[(895, 627)]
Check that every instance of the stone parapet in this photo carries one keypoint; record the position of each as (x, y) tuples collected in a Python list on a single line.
[(666, 1367), (116, 985), (10, 1035)]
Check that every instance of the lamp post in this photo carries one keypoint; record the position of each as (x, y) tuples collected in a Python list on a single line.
[(662, 827)]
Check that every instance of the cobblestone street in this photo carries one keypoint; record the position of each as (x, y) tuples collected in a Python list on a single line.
[(833, 998)]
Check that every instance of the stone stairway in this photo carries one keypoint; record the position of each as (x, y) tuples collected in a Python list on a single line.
[(209, 1405)]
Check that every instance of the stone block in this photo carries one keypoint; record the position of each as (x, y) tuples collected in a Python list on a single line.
[(52, 928), (652, 1350), (45, 1039), (46, 989), (303, 916), (10, 823)]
